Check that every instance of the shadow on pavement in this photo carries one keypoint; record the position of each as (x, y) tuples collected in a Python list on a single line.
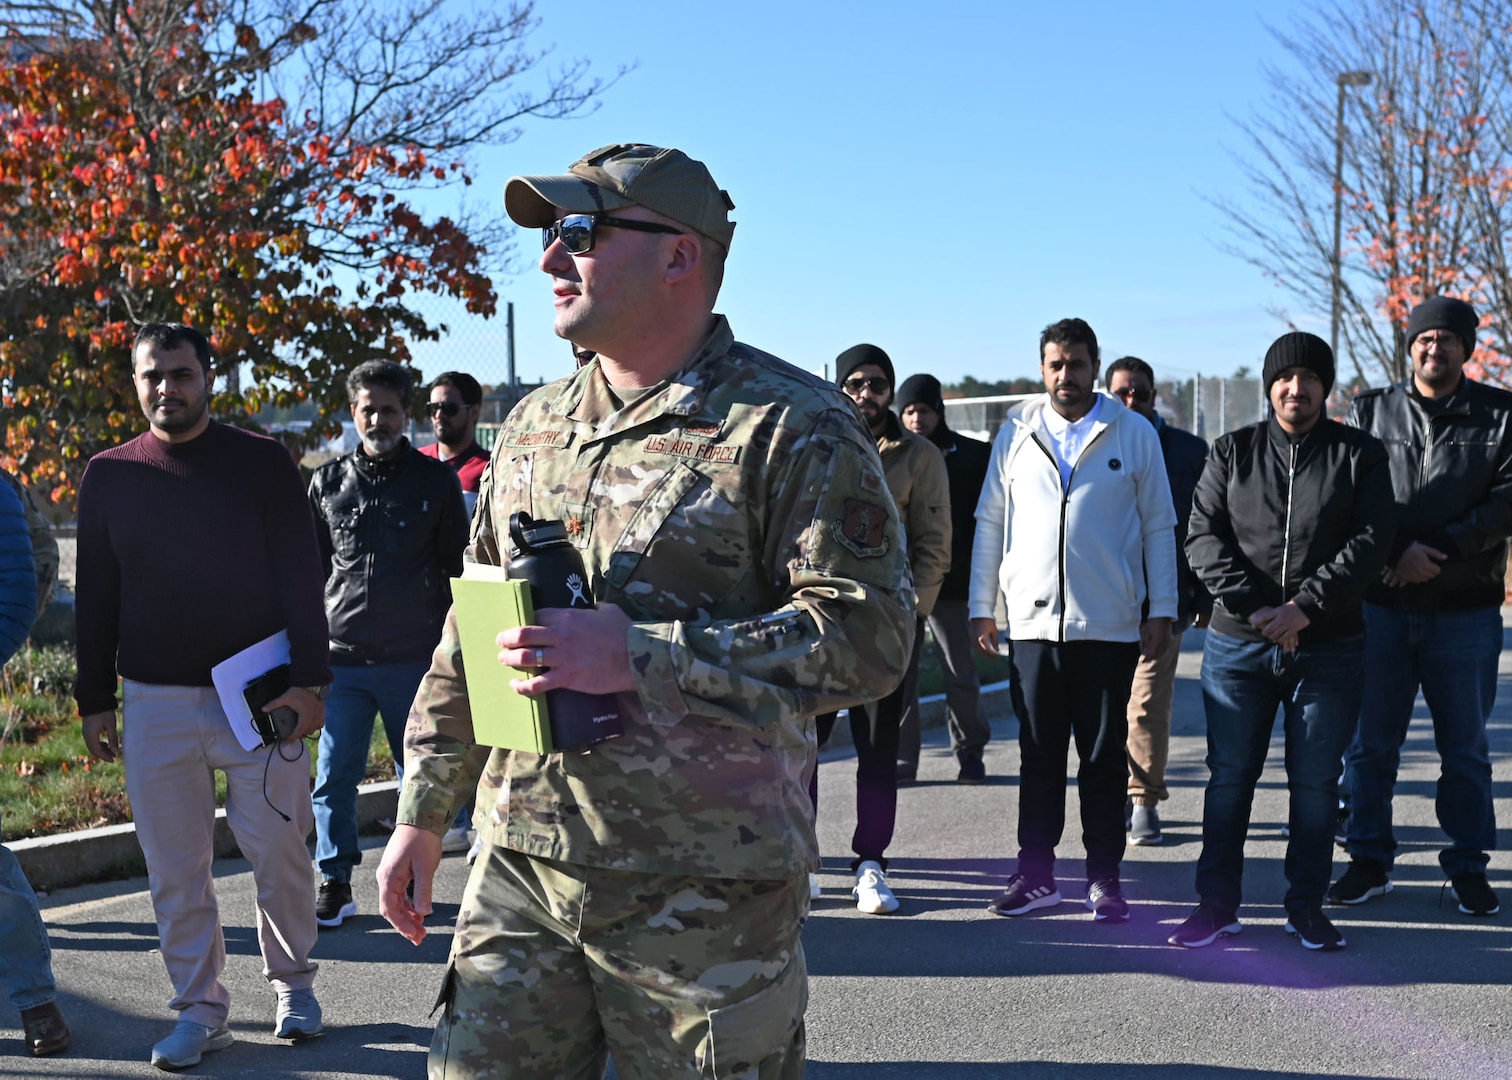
[(944, 919), (1052, 1070)]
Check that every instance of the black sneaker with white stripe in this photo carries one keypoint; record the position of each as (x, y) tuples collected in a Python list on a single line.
[(1023, 896), (1204, 926), (1105, 900), (334, 903), (1474, 893), (1364, 879), (1312, 928)]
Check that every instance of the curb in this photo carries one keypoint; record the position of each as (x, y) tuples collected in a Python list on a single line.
[(112, 852)]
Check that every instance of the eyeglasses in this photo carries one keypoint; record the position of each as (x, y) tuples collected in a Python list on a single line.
[(876, 384), (1445, 342), (575, 231), (1138, 393), (443, 408)]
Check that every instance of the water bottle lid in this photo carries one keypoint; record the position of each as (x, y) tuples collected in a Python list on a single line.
[(528, 533)]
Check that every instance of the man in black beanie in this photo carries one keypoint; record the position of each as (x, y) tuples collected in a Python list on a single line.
[(1433, 619), (916, 477), (922, 407), (1290, 524)]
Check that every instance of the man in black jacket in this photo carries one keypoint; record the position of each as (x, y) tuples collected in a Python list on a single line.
[(392, 526), (1132, 381), (1290, 523), (922, 407), (1433, 620)]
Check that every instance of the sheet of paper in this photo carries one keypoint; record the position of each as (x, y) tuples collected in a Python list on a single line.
[(232, 675)]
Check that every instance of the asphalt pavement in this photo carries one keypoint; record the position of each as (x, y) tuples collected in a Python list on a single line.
[(941, 989)]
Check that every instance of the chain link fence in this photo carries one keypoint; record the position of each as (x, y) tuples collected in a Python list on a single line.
[(1208, 406)]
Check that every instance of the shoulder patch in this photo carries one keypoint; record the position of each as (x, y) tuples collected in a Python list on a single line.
[(861, 530)]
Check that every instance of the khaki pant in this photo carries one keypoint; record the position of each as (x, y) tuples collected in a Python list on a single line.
[(174, 739), (1149, 745), (554, 966)]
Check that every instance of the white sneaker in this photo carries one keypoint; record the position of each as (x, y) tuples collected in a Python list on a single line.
[(476, 849), (455, 840), (871, 892), (813, 886)]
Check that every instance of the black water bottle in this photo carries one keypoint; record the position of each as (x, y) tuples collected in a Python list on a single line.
[(546, 558)]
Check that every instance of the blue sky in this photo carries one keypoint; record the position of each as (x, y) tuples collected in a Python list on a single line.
[(939, 179)]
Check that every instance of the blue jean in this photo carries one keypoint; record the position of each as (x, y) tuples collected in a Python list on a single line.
[(25, 955), (1317, 690), (357, 695), (1452, 656)]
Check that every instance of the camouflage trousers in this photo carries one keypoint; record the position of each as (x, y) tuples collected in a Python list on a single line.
[(554, 966)]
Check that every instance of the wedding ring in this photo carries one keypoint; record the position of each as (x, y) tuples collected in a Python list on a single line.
[(540, 658)]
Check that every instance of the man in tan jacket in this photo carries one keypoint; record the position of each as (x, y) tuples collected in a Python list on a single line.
[(916, 476)]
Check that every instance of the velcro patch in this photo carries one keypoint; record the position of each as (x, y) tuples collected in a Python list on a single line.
[(677, 446), (555, 437), (862, 529)]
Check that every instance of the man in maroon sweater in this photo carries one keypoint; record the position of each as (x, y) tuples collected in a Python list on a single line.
[(196, 541)]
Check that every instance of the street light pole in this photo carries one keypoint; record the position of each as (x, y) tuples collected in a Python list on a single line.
[(1346, 79)]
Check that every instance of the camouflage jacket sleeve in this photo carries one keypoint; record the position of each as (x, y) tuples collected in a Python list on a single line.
[(841, 626), (44, 546)]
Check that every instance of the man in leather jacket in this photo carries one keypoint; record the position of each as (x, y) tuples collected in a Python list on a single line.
[(392, 525), (1290, 524), (1433, 619)]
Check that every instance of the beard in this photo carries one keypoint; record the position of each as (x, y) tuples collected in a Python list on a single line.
[(380, 443), (176, 423)]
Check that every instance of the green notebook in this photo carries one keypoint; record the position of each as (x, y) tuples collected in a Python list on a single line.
[(487, 602)]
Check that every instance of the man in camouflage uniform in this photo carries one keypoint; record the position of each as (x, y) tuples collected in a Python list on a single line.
[(645, 895)]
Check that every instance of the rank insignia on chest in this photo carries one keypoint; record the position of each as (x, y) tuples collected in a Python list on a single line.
[(701, 429), (862, 529), (574, 526)]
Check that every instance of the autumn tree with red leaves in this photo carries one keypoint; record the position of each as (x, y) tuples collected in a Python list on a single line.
[(1426, 182), (153, 167)]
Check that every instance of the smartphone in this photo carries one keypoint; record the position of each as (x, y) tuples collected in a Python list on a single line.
[(281, 722)]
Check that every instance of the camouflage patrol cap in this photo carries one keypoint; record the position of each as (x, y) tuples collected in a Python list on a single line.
[(627, 174)]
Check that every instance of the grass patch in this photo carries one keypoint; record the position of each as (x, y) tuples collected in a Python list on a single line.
[(48, 782)]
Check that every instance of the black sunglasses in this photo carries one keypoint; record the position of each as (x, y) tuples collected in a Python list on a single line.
[(444, 408), (575, 231), (876, 384), (1138, 393)]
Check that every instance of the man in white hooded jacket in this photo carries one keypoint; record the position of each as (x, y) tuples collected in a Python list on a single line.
[(1075, 528)]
